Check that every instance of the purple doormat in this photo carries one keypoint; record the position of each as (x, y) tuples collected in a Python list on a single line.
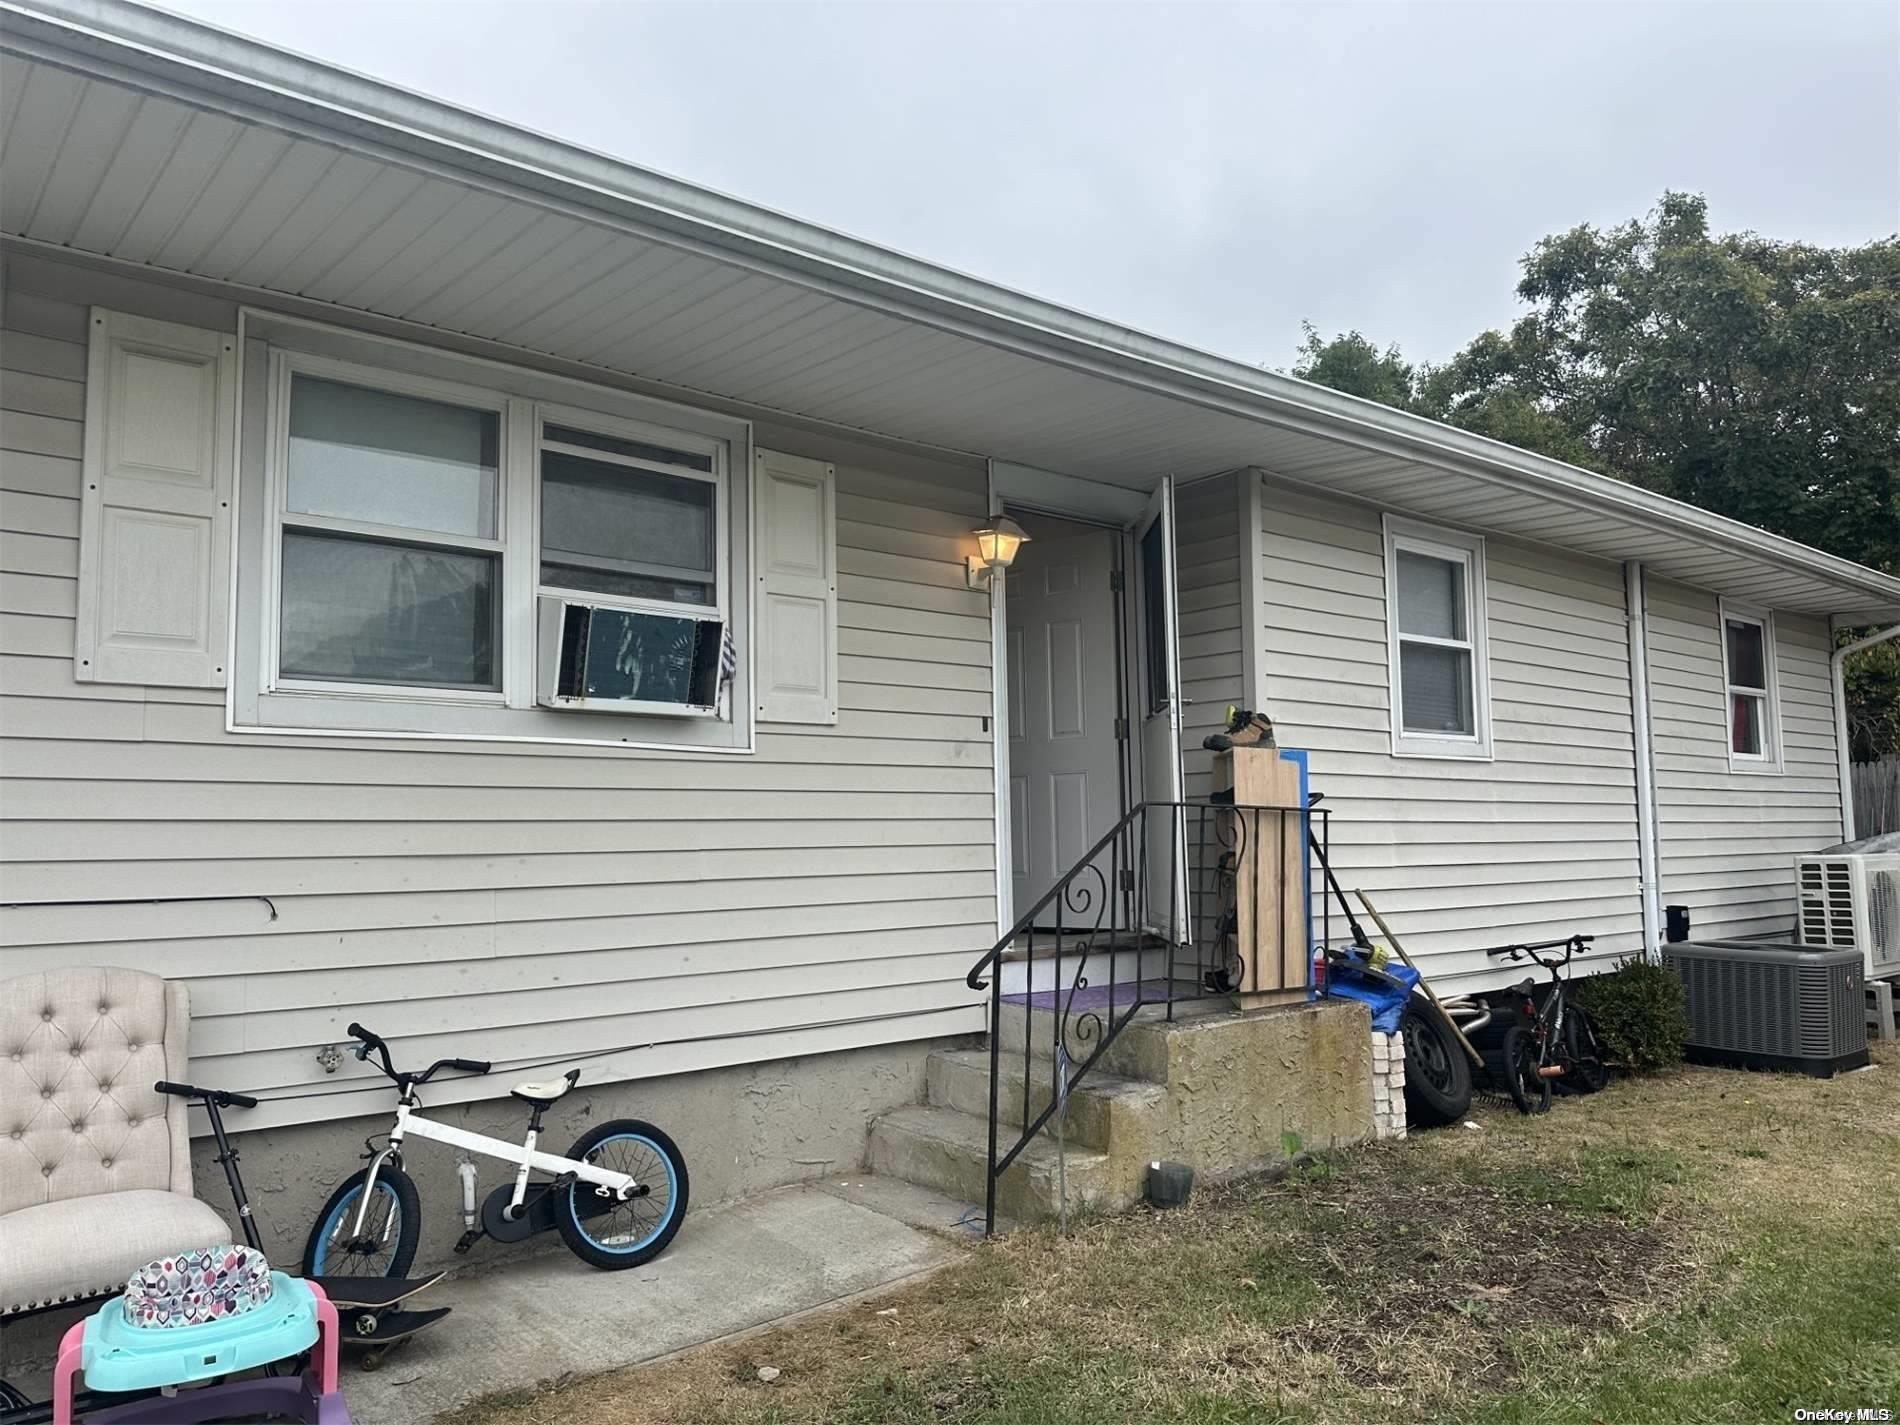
[(1119, 995)]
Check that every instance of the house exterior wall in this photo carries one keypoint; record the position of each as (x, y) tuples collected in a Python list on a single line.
[(1459, 855), (510, 901), (1540, 841), (1728, 838)]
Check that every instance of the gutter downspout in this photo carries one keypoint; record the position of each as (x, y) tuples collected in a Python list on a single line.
[(1837, 670), (1636, 606)]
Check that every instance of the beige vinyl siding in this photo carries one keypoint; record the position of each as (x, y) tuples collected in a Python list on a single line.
[(1728, 838), (1211, 623), (512, 901), (1461, 854), (1208, 557)]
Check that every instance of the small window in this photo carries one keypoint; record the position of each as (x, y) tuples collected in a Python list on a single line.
[(1435, 616), (1748, 676)]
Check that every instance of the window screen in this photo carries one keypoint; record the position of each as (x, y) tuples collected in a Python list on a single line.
[(370, 611), (626, 532)]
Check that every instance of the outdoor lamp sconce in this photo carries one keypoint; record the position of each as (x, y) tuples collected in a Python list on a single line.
[(997, 543)]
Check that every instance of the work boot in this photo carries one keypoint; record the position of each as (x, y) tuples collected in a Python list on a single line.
[(1244, 729)]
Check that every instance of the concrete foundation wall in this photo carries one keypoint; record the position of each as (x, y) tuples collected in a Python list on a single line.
[(743, 1129)]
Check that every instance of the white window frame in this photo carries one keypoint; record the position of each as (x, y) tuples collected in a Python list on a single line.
[(1466, 551), (272, 348), (594, 422), (285, 365), (1769, 759)]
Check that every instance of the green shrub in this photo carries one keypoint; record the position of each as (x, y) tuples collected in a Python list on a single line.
[(1640, 1011)]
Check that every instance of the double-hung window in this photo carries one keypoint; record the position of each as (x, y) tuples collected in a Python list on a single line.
[(1435, 617), (631, 528), (1748, 664), (390, 550), (432, 545)]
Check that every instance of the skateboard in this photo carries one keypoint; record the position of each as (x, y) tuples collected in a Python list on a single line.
[(366, 1306), (391, 1330)]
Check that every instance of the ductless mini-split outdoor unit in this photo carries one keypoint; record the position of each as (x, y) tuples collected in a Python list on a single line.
[(1851, 901)]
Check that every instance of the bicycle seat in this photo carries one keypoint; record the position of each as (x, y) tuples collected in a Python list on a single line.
[(541, 1091)]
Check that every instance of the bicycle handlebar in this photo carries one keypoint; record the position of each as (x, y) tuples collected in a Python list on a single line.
[(368, 1041), (223, 1098), (1571, 946)]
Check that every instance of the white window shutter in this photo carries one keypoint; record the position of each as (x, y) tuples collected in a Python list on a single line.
[(797, 552), (155, 508)]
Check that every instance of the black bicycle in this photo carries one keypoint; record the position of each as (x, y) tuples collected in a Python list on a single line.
[(1550, 1040)]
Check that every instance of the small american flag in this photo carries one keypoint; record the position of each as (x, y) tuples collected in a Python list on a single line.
[(728, 658)]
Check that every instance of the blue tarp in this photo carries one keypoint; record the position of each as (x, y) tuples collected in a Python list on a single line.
[(1386, 1000)]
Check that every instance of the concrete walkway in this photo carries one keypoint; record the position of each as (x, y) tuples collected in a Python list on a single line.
[(526, 1317)]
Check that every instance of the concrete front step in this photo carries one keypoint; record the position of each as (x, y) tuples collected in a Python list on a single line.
[(949, 1151), (1106, 1112), (1220, 1090)]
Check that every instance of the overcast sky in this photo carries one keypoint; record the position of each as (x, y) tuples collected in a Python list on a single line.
[(1211, 173)]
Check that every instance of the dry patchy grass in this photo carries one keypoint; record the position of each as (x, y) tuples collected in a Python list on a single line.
[(1695, 1245)]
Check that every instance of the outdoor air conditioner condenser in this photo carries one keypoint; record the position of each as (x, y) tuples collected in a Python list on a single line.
[(1764, 1006)]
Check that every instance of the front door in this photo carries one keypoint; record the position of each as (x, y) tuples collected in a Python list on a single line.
[(1065, 783), (1158, 701)]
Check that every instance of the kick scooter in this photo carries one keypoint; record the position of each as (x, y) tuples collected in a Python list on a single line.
[(371, 1311)]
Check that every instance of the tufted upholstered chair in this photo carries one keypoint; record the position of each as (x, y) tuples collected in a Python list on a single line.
[(95, 1167)]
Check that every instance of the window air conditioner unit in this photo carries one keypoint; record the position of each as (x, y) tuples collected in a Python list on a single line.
[(604, 658), (1764, 1006), (1851, 901)]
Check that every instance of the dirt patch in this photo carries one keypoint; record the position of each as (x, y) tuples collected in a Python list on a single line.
[(1415, 1273)]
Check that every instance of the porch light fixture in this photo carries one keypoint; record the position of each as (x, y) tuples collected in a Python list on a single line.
[(997, 543)]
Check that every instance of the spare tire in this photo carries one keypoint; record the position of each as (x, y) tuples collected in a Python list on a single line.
[(1437, 1072)]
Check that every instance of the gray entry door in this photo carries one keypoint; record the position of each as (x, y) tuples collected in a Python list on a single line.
[(1064, 783)]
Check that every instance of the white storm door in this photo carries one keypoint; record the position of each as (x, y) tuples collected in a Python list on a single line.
[(1064, 785), (1157, 684)]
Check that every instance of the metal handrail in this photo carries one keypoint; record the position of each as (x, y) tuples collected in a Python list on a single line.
[(1025, 921), (1088, 892)]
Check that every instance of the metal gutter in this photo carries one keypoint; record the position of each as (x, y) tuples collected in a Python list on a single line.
[(1648, 832), (306, 95), (1837, 676)]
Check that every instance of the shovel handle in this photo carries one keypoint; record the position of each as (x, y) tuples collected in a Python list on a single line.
[(1423, 983)]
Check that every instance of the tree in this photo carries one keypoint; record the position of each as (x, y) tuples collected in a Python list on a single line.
[(1872, 680), (1354, 365), (1756, 378)]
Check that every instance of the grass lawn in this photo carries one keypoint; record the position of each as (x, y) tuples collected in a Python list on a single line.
[(1705, 1246)]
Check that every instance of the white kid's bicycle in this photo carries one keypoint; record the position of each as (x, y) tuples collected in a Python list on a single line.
[(616, 1199)]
